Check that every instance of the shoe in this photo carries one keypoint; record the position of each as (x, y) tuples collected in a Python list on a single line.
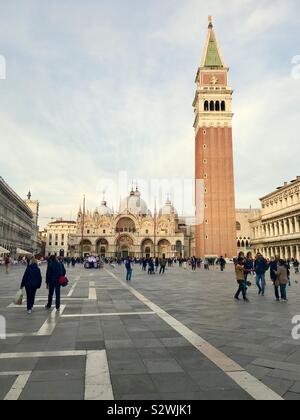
[(58, 309), (277, 300), (236, 298), (29, 311), (246, 300), (47, 308)]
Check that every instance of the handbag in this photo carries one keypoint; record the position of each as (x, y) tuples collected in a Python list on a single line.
[(277, 281), (18, 300), (63, 281)]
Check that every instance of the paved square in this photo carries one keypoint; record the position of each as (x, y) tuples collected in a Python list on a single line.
[(177, 336)]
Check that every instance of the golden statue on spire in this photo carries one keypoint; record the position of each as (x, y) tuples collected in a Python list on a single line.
[(210, 24)]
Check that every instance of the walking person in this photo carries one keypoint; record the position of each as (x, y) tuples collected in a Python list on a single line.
[(156, 264), (222, 263), (260, 268), (163, 263), (32, 281), (194, 264), (54, 272), (273, 274), (282, 279), (240, 278), (129, 269), (6, 263)]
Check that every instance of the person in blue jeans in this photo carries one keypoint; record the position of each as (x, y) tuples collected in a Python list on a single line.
[(260, 268), (129, 269), (54, 271)]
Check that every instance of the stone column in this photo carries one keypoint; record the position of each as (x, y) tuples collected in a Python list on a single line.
[(296, 223), (298, 252)]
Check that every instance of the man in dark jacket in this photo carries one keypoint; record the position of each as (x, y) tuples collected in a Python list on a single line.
[(260, 268), (54, 272), (273, 270), (32, 281)]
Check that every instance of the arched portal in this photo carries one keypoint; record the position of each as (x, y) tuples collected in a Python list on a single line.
[(125, 246), (179, 249), (86, 247), (102, 247), (125, 224), (147, 248), (164, 248)]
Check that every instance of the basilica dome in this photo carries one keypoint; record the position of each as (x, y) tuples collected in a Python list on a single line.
[(134, 204), (104, 210), (167, 209)]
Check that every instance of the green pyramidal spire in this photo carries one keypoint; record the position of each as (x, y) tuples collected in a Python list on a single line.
[(212, 57)]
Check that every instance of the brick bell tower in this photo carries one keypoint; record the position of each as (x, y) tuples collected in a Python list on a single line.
[(214, 154)]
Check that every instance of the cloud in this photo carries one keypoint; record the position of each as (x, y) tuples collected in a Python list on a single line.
[(96, 88)]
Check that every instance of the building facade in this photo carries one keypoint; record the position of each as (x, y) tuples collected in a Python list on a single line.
[(277, 230), (57, 236), (132, 231), (17, 223), (34, 206), (243, 228), (214, 154)]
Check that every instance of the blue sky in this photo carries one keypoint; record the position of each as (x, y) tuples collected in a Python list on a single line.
[(94, 87)]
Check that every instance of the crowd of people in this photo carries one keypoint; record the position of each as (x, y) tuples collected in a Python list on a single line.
[(246, 268), (280, 274)]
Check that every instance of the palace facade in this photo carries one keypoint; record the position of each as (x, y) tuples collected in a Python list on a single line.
[(276, 231), (18, 223)]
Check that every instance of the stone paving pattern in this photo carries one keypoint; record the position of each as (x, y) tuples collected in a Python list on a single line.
[(147, 358)]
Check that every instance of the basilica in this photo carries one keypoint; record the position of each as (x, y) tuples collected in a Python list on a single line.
[(132, 231)]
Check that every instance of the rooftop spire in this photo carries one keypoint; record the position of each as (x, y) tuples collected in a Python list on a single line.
[(212, 56)]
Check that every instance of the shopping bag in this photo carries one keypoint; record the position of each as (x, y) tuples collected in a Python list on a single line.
[(19, 297), (63, 281)]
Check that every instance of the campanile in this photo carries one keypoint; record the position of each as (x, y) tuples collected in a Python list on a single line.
[(214, 153)]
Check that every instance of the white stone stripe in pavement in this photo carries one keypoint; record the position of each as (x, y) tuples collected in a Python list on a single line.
[(97, 378), (74, 286), (37, 355), (92, 291), (107, 314), (247, 382), (49, 325), (17, 388), (16, 373)]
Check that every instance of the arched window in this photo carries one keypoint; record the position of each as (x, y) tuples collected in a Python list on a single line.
[(212, 106), (238, 226), (223, 106), (217, 106), (206, 106), (238, 244), (247, 244), (243, 244)]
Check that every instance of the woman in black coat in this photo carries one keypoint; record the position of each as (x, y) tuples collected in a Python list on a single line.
[(32, 281), (55, 270)]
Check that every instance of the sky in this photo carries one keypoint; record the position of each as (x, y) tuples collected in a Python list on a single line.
[(96, 89)]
